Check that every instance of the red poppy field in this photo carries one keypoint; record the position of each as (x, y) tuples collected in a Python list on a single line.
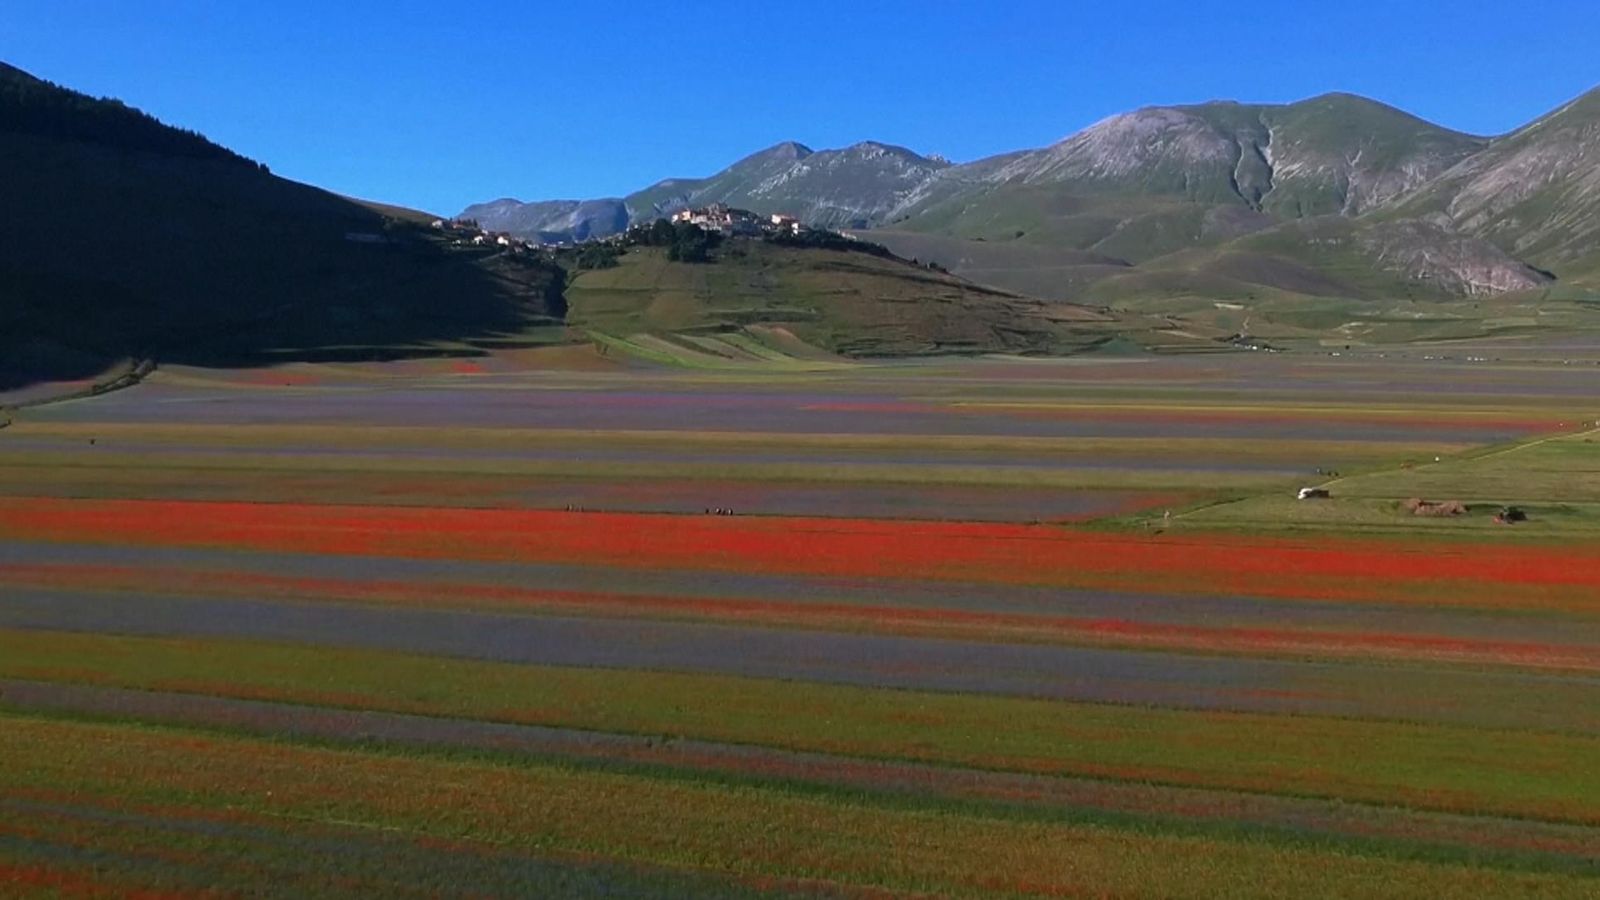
[(971, 628)]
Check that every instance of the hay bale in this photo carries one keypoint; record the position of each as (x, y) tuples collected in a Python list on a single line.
[(1419, 507)]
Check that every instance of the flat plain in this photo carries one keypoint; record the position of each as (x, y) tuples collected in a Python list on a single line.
[(582, 623)]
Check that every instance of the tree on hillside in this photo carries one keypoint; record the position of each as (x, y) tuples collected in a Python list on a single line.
[(829, 240), (691, 243), (597, 255), (661, 233)]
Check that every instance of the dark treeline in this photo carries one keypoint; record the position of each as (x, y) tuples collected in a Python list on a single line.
[(830, 240), (685, 242), (31, 106)]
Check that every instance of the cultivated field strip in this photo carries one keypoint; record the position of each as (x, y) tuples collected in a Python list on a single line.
[(1083, 797), (753, 833), (453, 631)]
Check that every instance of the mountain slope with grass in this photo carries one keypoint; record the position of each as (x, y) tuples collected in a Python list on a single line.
[(1535, 193), (1336, 196), (125, 238), (1163, 179), (851, 187), (846, 188)]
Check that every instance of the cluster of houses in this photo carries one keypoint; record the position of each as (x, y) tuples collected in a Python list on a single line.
[(725, 219), (466, 232), (717, 217)]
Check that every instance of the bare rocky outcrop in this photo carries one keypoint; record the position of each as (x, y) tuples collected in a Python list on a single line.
[(561, 220), (1534, 192), (1454, 263)]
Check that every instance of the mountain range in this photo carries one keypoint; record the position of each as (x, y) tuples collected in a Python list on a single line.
[(1333, 220), (1336, 196)]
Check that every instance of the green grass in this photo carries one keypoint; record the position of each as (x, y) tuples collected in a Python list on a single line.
[(1555, 481)]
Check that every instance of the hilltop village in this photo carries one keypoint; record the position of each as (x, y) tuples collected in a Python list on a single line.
[(718, 218), (689, 235), (726, 220)]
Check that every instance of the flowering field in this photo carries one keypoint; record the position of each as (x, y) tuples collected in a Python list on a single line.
[(979, 628)]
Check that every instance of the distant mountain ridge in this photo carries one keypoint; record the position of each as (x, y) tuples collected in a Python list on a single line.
[(552, 220), (1431, 209), (1334, 154), (849, 188), (852, 187)]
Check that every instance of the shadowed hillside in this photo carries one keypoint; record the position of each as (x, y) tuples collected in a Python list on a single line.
[(125, 238)]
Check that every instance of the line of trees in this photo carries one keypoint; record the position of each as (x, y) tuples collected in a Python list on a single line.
[(32, 106), (598, 255), (828, 240)]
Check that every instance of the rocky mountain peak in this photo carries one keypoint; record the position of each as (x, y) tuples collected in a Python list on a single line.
[(787, 151)]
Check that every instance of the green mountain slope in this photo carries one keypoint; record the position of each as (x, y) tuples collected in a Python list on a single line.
[(1150, 182), (1534, 192), (1178, 193), (125, 238), (1342, 154), (1332, 197), (1335, 258), (829, 188)]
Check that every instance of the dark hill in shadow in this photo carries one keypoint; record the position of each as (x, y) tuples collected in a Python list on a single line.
[(124, 238)]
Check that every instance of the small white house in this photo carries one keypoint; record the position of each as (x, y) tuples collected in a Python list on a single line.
[(781, 223)]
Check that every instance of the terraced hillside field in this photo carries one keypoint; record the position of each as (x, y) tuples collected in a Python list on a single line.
[(991, 627)]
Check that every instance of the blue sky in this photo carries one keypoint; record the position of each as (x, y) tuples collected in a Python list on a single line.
[(436, 105)]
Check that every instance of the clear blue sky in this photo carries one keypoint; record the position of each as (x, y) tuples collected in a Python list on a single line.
[(438, 104)]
